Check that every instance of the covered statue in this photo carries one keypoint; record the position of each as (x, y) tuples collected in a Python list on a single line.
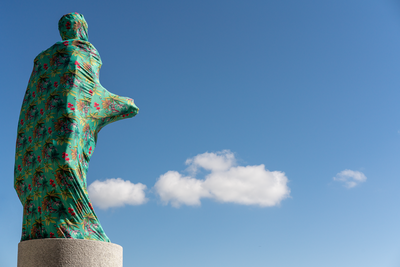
[(63, 110)]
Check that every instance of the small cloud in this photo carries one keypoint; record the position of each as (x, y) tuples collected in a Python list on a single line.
[(220, 161), (246, 185), (350, 178), (116, 193), (177, 189)]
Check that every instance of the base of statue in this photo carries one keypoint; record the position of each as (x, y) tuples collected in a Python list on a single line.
[(60, 252)]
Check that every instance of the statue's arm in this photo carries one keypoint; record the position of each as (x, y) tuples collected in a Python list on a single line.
[(109, 107)]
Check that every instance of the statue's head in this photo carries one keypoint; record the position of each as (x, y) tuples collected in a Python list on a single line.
[(73, 26)]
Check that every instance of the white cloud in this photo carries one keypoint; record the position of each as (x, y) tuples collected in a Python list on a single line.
[(116, 192), (172, 186), (247, 185), (350, 178), (220, 161)]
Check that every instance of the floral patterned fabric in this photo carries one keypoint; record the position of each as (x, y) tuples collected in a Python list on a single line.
[(63, 110)]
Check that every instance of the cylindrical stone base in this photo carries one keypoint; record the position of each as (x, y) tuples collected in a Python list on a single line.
[(62, 252)]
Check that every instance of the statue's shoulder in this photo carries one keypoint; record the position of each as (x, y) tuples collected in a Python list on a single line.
[(72, 46), (43, 54), (87, 51), (63, 52), (56, 49)]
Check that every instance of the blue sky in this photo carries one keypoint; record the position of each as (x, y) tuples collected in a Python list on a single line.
[(268, 131)]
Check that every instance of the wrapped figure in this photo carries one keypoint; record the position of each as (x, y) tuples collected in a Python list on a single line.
[(63, 110)]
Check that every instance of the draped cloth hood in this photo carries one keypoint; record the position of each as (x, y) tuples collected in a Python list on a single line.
[(73, 26)]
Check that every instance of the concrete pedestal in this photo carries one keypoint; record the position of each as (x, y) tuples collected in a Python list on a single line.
[(61, 252)]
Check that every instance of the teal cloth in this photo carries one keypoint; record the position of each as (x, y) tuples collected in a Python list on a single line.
[(63, 110)]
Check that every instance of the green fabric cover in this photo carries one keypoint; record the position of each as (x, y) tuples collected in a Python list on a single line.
[(63, 110)]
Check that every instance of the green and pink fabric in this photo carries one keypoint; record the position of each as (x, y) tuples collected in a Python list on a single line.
[(63, 110)]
